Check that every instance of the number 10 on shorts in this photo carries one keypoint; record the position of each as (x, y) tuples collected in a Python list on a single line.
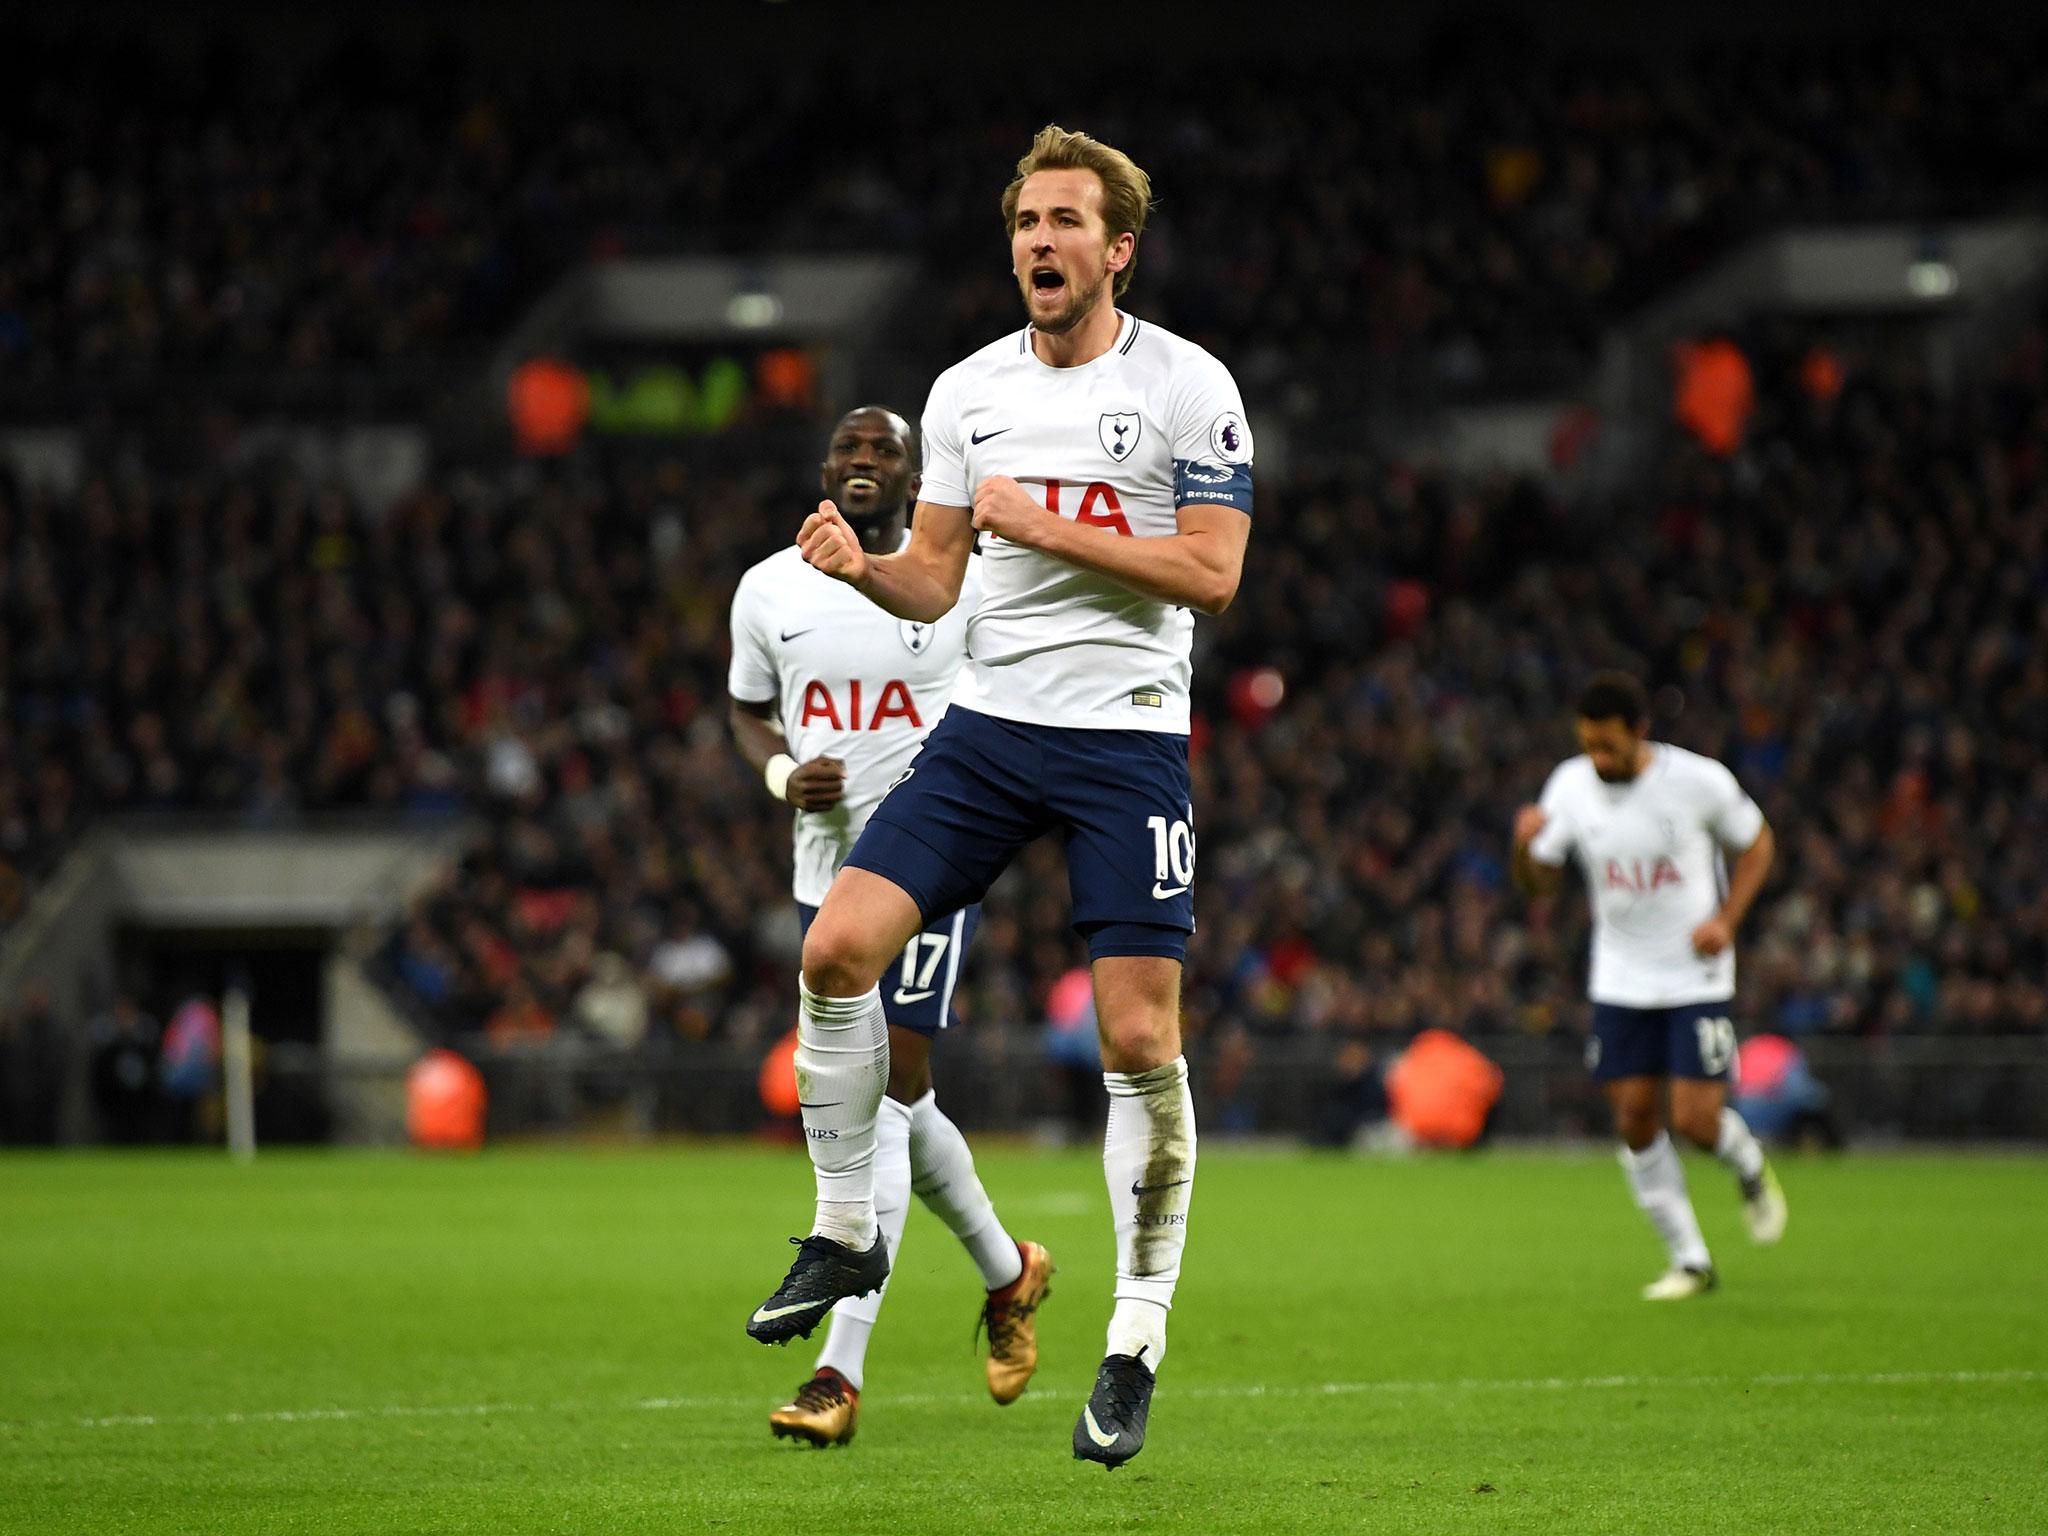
[(1173, 856)]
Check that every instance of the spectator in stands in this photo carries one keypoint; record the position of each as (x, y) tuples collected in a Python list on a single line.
[(126, 1098)]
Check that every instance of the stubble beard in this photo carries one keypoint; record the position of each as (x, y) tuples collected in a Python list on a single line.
[(1081, 304)]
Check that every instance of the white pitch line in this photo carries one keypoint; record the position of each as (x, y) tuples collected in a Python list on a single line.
[(1058, 1396)]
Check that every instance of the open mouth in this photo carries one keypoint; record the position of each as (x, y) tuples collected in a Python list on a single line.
[(1046, 280), (860, 485)]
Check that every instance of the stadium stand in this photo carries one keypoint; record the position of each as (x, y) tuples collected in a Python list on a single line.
[(1843, 597), (1368, 229), (545, 647)]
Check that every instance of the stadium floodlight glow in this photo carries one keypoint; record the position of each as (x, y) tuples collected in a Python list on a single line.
[(1931, 278), (753, 311)]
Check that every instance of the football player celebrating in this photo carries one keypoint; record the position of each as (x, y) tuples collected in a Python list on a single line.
[(1106, 464), (831, 698), (1649, 824)]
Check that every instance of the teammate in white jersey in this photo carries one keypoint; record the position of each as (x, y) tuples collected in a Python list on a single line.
[(1649, 824), (1107, 466), (831, 699)]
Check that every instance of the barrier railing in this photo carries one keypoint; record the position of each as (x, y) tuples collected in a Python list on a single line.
[(1920, 1087)]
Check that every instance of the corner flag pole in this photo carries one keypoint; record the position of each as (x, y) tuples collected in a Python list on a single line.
[(236, 1072)]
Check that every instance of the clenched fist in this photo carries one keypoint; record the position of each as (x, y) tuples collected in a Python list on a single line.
[(1529, 820), (1711, 937), (829, 543), (817, 785), (1005, 508)]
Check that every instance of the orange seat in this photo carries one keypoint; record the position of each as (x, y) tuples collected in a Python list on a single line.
[(444, 1102), (778, 1078), (1442, 1089)]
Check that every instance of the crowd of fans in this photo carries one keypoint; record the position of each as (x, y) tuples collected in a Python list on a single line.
[(1840, 590), (1467, 220), (1849, 610)]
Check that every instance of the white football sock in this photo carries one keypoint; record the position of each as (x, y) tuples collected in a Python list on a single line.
[(846, 1346), (942, 1173), (1738, 1148), (1658, 1180), (842, 1070), (1148, 1159)]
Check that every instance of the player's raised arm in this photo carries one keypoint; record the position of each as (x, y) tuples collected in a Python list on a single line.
[(922, 583)]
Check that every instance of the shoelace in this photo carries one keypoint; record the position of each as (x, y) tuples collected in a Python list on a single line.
[(1001, 1320), (820, 1393), (1123, 1394)]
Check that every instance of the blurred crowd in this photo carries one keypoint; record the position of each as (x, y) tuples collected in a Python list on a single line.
[(1346, 229), (1851, 609)]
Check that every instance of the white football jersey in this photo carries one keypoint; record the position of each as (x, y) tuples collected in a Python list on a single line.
[(1119, 442), (851, 682), (1651, 852)]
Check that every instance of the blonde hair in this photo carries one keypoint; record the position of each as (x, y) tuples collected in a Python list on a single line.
[(1126, 190)]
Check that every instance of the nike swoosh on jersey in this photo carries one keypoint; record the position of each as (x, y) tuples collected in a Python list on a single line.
[(915, 997), (982, 437), (1153, 1189), (1161, 892), (828, 1104), (1094, 1429), (791, 634), (769, 1314)]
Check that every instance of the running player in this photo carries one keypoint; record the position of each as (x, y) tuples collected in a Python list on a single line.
[(1649, 824), (1107, 465), (821, 675)]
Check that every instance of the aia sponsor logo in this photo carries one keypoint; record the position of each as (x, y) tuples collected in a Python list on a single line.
[(1098, 506), (895, 702), (1631, 876)]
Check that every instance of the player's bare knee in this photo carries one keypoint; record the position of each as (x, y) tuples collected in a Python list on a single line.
[(1140, 1042), (1636, 1127), (837, 963)]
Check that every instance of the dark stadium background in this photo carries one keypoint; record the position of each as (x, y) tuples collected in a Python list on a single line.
[(1708, 344)]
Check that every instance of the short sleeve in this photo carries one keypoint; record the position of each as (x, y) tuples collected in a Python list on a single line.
[(945, 461), (1553, 845), (1733, 818), (752, 676), (1212, 441)]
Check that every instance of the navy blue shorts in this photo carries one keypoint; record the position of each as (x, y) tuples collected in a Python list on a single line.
[(917, 991), (1691, 1040), (981, 788)]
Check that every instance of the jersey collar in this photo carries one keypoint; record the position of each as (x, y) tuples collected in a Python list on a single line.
[(1126, 333)]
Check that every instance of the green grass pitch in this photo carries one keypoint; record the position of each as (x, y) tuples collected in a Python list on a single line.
[(550, 1341)]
